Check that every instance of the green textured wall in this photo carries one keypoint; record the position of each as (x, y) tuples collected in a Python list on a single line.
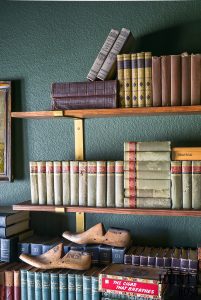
[(42, 42)]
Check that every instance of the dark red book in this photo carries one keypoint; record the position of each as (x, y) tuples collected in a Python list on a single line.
[(166, 80), (175, 80)]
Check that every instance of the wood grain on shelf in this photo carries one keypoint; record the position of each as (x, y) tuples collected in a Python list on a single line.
[(113, 112), (107, 210)]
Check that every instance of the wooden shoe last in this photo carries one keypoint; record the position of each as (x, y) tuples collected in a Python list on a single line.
[(75, 260), (95, 235)]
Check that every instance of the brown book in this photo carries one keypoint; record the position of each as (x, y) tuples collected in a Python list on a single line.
[(186, 153), (166, 80), (9, 285), (156, 81), (175, 80), (195, 79), (185, 79), (78, 95), (17, 285)]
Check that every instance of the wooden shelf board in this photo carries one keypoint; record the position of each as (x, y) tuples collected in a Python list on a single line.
[(104, 113), (107, 210)]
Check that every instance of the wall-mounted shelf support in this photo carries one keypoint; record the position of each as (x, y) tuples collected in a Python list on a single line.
[(79, 155)]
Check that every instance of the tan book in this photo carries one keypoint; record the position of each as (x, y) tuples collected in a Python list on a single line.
[(147, 166), (148, 79), (147, 174), (152, 146), (176, 184), (101, 184), (134, 78), (110, 183), (186, 153), (127, 80), (42, 188), (34, 182), (66, 182), (163, 203), (50, 182), (74, 182), (92, 175), (120, 76), (57, 182), (83, 183), (141, 78), (14, 229), (119, 184), (187, 184)]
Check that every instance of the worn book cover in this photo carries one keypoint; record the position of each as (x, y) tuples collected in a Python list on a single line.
[(134, 82), (119, 183), (66, 182), (148, 79), (195, 79), (176, 184), (92, 177), (175, 80), (187, 184), (50, 182), (141, 78), (83, 183), (152, 146), (127, 80), (101, 184), (186, 79), (196, 184), (156, 81), (166, 80), (57, 182), (42, 188), (74, 182), (110, 184), (120, 76), (34, 181)]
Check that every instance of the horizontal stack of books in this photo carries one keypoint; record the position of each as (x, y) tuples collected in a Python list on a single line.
[(176, 80), (147, 174), (83, 183), (14, 227), (134, 72)]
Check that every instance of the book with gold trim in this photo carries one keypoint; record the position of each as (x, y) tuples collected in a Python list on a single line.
[(66, 182), (134, 82), (141, 78), (120, 76), (83, 183), (148, 79), (34, 181), (127, 80)]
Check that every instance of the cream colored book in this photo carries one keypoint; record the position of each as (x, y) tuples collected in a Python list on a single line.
[(110, 183), (66, 182), (101, 184), (42, 188), (91, 180), (119, 183), (176, 184), (57, 182), (34, 182), (50, 182), (74, 182), (83, 183)]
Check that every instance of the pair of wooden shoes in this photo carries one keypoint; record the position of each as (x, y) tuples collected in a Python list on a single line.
[(77, 260)]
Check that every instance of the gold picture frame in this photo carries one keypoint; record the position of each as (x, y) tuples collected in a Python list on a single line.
[(5, 131)]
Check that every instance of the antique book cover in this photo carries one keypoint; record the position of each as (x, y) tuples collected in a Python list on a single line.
[(195, 79), (57, 182), (83, 183), (66, 182), (175, 80), (176, 184), (92, 176), (185, 79), (152, 146), (134, 82), (120, 76), (187, 184), (110, 184), (34, 182), (156, 81), (146, 156), (50, 182), (148, 79), (127, 80), (166, 80), (74, 182), (196, 184), (119, 183), (141, 78), (42, 188), (162, 203)]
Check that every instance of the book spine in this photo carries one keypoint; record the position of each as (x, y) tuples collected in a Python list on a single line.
[(74, 182), (83, 183), (196, 184), (34, 182), (63, 286), (156, 81), (118, 255), (108, 67), (166, 80), (79, 286), (105, 254), (187, 184), (163, 203), (141, 78), (119, 183), (17, 286), (151, 156), (57, 182), (66, 182), (156, 184), (50, 182), (147, 174), (24, 247), (186, 155), (23, 279), (120, 76), (110, 184), (87, 291), (54, 283), (147, 146), (94, 251), (42, 189), (127, 80), (109, 42), (9, 249), (9, 285), (195, 79), (30, 285), (71, 287), (148, 79), (134, 83), (129, 201), (94, 287), (175, 80), (36, 249), (46, 291), (162, 193), (101, 184), (186, 80), (38, 285), (150, 166), (176, 184), (92, 176)]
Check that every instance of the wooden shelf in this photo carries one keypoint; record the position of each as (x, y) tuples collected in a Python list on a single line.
[(105, 113), (107, 210)]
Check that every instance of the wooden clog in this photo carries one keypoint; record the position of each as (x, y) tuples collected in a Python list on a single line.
[(75, 260), (95, 235)]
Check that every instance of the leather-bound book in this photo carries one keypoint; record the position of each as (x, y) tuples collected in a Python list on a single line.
[(156, 81), (141, 78), (185, 79), (148, 79), (166, 80), (175, 80), (195, 79), (120, 77)]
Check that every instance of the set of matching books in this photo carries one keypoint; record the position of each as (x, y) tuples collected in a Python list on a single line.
[(176, 80), (147, 174), (104, 66), (186, 184), (180, 259), (134, 73), (83, 183)]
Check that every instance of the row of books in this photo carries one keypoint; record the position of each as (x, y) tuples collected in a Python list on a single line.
[(83, 183), (186, 184), (176, 80), (182, 259), (147, 181)]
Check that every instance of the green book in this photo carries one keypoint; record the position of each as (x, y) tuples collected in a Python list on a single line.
[(63, 285), (95, 294), (23, 275), (38, 285), (71, 285), (46, 293), (54, 284), (87, 285), (79, 285), (31, 284)]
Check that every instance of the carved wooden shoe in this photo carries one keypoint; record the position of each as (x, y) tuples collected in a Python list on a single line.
[(95, 235), (53, 259)]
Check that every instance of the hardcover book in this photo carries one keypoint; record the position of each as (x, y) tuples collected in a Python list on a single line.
[(141, 78), (66, 182), (186, 153), (34, 181), (74, 182), (156, 81), (127, 80), (175, 80), (119, 184), (134, 75), (50, 182), (187, 184), (186, 79), (196, 184), (82, 183), (111, 184), (14, 229), (120, 76), (166, 80), (162, 203), (101, 184), (195, 79), (92, 177), (176, 184), (148, 79), (57, 182), (42, 189), (153, 146)]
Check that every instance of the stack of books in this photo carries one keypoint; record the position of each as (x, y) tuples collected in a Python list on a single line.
[(134, 73), (14, 227), (176, 80), (83, 183), (147, 174)]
